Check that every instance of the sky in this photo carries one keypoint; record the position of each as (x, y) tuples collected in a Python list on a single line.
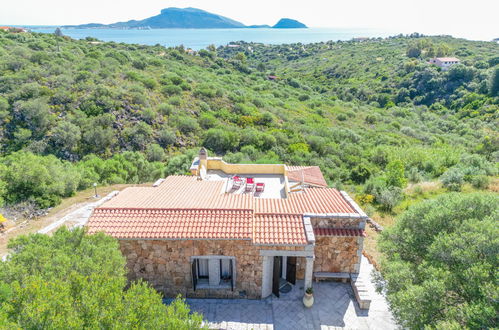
[(477, 19)]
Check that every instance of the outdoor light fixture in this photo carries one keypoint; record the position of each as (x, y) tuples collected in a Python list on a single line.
[(95, 188)]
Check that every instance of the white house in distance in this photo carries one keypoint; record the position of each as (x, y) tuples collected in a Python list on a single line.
[(444, 62)]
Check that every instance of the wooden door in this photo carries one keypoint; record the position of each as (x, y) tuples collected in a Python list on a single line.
[(291, 270), (276, 276)]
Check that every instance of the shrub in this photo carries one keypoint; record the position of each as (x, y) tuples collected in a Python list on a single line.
[(165, 109), (480, 181), (443, 252), (187, 124), (75, 280), (166, 137), (342, 117), (395, 174), (170, 90), (389, 198), (42, 179), (220, 140), (453, 179), (155, 153)]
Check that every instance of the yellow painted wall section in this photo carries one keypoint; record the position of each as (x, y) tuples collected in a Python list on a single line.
[(219, 164)]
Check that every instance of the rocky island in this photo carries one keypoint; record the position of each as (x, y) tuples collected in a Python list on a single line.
[(186, 18)]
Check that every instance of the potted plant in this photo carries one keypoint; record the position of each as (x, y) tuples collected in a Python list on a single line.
[(308, 298)]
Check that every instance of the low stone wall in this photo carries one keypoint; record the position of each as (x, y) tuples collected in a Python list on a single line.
[(166, 265), (337, 254), (333, 222)]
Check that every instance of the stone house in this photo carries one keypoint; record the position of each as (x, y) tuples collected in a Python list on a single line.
[(212, 234)]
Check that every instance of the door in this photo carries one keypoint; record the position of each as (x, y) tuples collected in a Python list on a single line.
[(194, 274), (276, 276), (291, 270)]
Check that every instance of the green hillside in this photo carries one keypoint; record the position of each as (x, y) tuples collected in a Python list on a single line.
[(77, 112)]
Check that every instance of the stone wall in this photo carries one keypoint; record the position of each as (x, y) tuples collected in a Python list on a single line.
[(334, 222), (166, 265), (335, 254)]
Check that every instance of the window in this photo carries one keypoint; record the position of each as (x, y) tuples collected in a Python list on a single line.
[(213, 272)]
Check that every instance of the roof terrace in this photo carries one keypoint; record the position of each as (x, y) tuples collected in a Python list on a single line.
[(258, 180)]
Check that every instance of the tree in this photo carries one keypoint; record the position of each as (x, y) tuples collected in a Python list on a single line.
[(413, 51), (241, 57), (35, 113), (58, 32), (43, 180), (395, 174), (220, 140), (494, 83), (155, 153), (74, 280), (441, 263)]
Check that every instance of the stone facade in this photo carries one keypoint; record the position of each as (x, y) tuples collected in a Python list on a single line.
[(337, 254), (166, 265), (333, 222)]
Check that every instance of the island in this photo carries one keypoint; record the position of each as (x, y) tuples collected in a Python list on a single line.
[(185, 18), (288, 23)]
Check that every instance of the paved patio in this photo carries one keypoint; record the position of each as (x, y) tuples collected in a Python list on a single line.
[(334, 308)]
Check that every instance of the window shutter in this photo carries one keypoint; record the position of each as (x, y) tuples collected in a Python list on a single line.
[(194, 272), (232, 283)]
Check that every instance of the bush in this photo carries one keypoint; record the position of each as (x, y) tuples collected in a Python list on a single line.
[(166, 137), (220, 140), (155, 153), (388, 198), (453, 179), (480, 181), (187, 124), (42, 179), (165, 109), (395, 174), (75, 280), (170, 90), (443, 252)]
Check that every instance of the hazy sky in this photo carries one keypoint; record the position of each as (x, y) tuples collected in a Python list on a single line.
[(474, 19)]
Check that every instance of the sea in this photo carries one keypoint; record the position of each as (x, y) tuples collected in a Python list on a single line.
[(201, 38)]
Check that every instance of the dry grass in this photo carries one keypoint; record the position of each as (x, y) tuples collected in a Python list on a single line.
[(494, 185), (67, 205)]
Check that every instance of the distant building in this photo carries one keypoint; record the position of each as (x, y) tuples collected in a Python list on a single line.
[(272, 77), (12, 29), (360, 39), (444, 62), (233, 46)]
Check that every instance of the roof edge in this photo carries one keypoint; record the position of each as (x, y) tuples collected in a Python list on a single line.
[(353, 204)]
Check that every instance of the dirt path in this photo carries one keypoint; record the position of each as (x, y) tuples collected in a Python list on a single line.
[(72, 211)]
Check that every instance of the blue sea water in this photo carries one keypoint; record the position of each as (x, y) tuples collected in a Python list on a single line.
[(201, 38)]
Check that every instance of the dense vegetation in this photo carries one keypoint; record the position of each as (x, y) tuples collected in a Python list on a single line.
[(77, 112), (374, 115), (71, 280), (441, 263)]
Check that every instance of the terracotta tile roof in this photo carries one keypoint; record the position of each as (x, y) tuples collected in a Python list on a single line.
[(181, 192), (307, 174), (172, 224), (279, 229), (339, 232), (310, 200), (185, 207)]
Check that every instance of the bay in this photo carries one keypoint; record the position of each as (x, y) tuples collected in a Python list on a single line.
[(201, 38)]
